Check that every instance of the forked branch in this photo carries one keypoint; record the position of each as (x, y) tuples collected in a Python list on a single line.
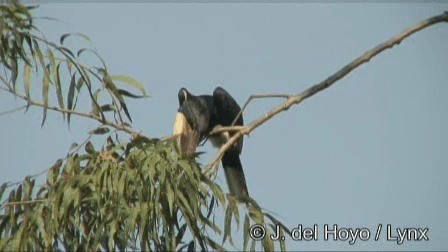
[(298, 98)]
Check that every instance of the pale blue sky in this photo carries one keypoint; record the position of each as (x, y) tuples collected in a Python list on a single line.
[(371, 149)]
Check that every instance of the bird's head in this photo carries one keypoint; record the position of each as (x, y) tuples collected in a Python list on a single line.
[(182, 95), (187, 138)]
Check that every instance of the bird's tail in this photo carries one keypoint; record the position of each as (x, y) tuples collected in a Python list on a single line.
[(235, 175)]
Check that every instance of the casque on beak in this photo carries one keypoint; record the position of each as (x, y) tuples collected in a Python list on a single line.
[(187, 139)]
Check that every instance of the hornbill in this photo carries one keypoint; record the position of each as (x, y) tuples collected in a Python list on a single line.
[(196, 117)]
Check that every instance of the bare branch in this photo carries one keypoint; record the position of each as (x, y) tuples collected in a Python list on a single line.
[(298, 98), (170, 137), (220, 129), (12, 110), (255, 97)]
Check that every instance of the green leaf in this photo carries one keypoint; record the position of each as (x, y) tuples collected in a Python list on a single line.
[(54, 172), (2, 189), (277, 222), (252, 246), (109, 84), (129, 94), (185, 203), (227, 223), (246, 232), (79, 85), (58, 88), (170, 196), (100, 130), (210, 207), (191, 246), (18, 196), (70, 96), (125, 108), (236, 214), (180, 233), (39, 55), (107, 107), (268, 244), (130, 81), (65, 36), (66, 51), (45, 88), (14, 71), (282, 241), (28, 188), (214, 245), (69, 66), (27, 78), (95, 109), (89, 148), (52, 59)]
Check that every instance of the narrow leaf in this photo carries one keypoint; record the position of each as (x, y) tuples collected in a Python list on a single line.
[(40, 57), (181, 233), (107, 107), (130, 81), (100, 131), (65, 36), (45, 88), (2, 189), (27, 78), (66, 51), (14, 71), (52, 59), (57, 80), (95, 109), (70, 96), (246, 232), (125, 108), (227, 224), (191, 246), (129, 94)]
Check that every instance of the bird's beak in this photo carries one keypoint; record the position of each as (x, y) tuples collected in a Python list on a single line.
[(187, 138)]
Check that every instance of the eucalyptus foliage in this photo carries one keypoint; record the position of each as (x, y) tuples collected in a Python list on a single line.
[(129, 194)]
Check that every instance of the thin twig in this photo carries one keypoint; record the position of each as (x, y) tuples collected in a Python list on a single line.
[(12, 110), (49, 168), (170, 137), (296, 99), (256, 97), (119, 127), (220, 129)]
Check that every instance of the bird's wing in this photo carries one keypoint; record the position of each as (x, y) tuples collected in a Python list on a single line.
[(227, 109)]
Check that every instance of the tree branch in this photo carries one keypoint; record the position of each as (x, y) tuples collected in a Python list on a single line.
[(255, 97), (298, 98), (12, 110), (120, 127), (220, 129)]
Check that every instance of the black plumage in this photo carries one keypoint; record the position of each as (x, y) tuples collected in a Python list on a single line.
[(197, 116)]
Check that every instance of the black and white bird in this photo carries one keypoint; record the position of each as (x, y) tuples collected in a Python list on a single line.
[(196, 117)]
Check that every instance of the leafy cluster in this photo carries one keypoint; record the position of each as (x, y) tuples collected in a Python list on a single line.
[(46, 65), (126, 196), (138, 195), (133, 194)]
